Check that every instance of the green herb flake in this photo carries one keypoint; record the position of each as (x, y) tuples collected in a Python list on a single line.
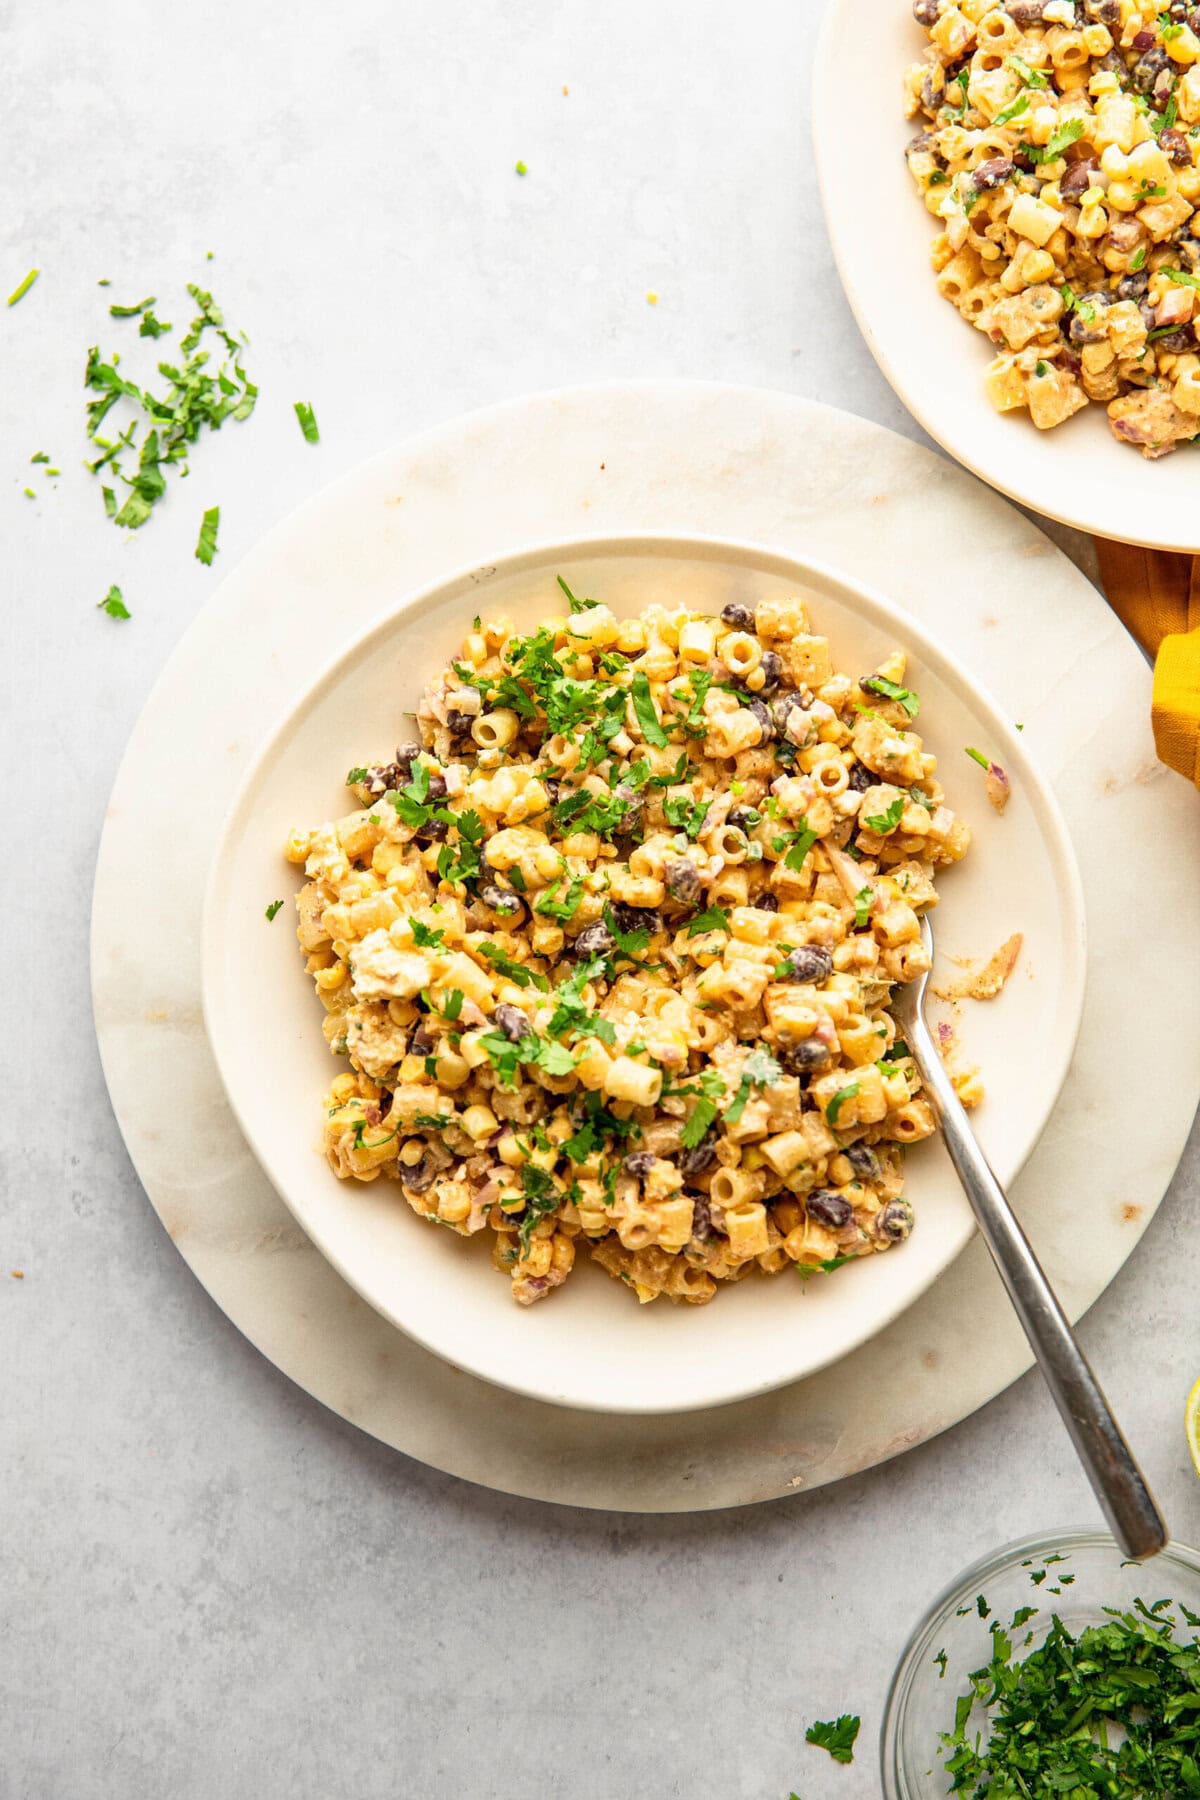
[(1014, 111), (714, 918), (520, 168), (862, 906), (1061, 140), (879, 684), (114, 605), (132, 312), (835, 1735), (839, 1100), (453, 1004), (985, 762), (20, 292), (206, 544), (308, 421), (643, 707), (273, 909), (882, 823), (699, 1120)]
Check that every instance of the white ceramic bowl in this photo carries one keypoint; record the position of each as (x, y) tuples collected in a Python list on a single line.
[(588, 1345), (881, 232)]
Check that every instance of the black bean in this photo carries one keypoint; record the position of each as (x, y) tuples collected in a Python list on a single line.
[(810, 962), (925, 12), (895, 1221), (1193, 20), (863, 1161), (418, 1176), (700, 1157), (1103, 12), (594, 940), (1188, 246), (635, 918), (1147, 69), (640, 1163), (407, 753), (421, 1042), (1133, 287), (799, 1058), (739, 616), (432, 831), (1078, 178), (771, 667), (764, 720), (922, 141), (783, 707), (765, 903), (501, 900), (992, 173), (459, 723), (933, 88), (635, 811), (1177, 342), (829, 1208), (862, 778), (1025, 12), (741, 818), (1177, 145), (702, 1225), (437, 787), (683, 882), (512, 1022)]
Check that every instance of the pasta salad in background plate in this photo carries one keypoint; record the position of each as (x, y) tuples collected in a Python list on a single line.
[(1059, 151), (609, 951)]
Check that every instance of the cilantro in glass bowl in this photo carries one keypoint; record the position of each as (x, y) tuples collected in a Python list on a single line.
[(1052, 1666)]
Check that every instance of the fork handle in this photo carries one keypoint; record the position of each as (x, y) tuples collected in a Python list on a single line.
[(1118, 1482)]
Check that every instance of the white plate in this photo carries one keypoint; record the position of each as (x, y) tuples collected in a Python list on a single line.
[(588, 1346), (881, 232)]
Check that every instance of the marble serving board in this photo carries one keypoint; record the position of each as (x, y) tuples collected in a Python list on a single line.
[(684, 457)]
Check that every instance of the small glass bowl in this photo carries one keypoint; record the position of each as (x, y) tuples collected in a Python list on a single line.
[(921, 1702)]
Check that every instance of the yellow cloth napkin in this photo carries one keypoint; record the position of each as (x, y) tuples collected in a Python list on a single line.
[(1156, 595)]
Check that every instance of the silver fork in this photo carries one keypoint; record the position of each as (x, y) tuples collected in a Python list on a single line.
[(1119, 1484)]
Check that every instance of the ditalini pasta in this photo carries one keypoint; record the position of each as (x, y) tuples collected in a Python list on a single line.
[(1059, 154), (609, 951)]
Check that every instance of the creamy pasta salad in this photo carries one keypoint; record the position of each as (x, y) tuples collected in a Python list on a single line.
[(609, 951), (1059, 151)]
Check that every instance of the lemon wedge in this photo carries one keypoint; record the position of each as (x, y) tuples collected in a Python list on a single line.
[(1191, 1424)]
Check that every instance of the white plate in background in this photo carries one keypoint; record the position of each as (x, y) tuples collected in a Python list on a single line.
[(588, 1345), (881, 231)]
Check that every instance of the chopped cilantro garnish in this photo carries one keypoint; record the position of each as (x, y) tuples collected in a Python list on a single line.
[(882, 823), (131, 312), (629, 943), (273, 908), (714, 918), (686, 815), (552, 905), (862, 906), (801, 843), (1138, 260), (1041, 369), (1182, 277), (759, 1070), (424, 936), (1060, 140), (514, 971), (985, 762), (114, 604), (879, 684), (1033, 78), (453, 1004), (699, 1120), (1018, 106), (308, 422), (355, 776), (206, 545), (577, 606), (839, 1100), (643, 706), (836, 1736)]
